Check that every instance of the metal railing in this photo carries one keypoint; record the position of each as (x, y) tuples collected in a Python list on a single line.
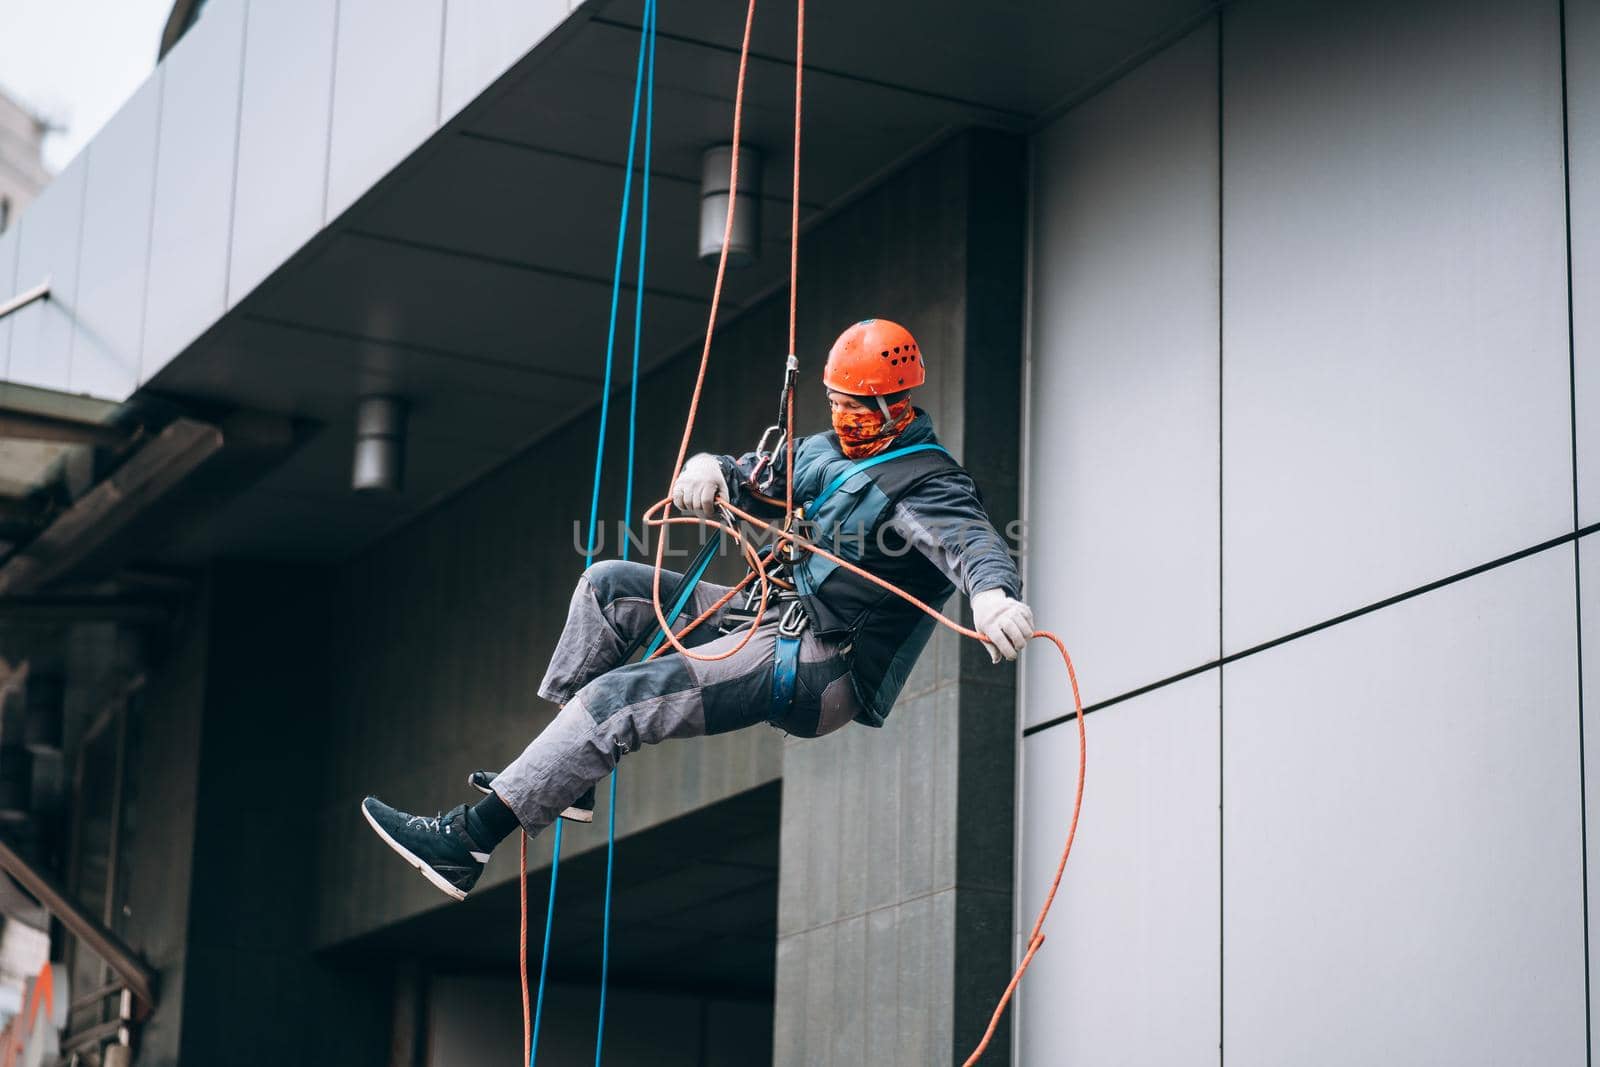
[(22, 300), (138, 979)]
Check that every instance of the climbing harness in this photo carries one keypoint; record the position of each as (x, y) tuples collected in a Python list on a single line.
[(746, 613), (680, 597), (786, 659), (865, 464)]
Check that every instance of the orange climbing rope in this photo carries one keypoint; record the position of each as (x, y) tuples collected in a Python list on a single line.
[(659, 516), (792, 363), (522, 901)]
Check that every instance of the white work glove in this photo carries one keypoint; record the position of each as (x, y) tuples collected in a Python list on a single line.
[(698, 486), (1007, 623)]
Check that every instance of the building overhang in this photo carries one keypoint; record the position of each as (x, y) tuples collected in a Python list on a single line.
[(342, 205)]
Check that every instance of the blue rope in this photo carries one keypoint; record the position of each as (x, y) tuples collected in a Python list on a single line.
[(627, 506), (605, 929), (638, 288), (648, 37), (628, 498), (616, 296), (678, 605)]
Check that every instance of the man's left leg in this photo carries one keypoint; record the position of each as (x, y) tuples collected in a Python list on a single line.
[(610, 609), (645, 703), (633, 705)]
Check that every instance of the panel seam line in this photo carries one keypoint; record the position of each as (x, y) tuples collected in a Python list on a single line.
[(1577, 553), (1351, 615)]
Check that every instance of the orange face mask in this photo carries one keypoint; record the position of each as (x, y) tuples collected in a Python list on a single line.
[(866, 433)]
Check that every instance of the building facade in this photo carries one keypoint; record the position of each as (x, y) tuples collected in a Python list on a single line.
[(1312, 462), (1269, 321)]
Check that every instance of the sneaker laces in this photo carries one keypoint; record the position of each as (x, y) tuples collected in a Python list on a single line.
[(435, 824)]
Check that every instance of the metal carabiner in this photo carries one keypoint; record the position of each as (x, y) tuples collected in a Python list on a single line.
[(761, 445), (793, 620), (769, 459)]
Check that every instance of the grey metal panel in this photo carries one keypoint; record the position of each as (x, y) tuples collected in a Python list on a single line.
[(1132, 970), (494, 192), (308, 374), (194, 184), (1395, 369), (1583, 147), (466, 305), (41, 333), (117, 207), (1401, 838), (385, 91), (484, 37), (1589, 607), (1020, 57), (283, 136), (1123, 462), (867, 126), (8, 282)]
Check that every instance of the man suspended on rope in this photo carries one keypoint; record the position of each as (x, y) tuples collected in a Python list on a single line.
[(878, 491)]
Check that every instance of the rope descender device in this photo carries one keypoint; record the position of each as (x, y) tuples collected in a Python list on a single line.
[(766, 469)]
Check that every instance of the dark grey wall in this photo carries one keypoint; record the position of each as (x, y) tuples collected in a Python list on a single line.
[(160, 847), (441, 634), (419, 661), (254, 992), (475, 1020), (228, 743), (895, 903)]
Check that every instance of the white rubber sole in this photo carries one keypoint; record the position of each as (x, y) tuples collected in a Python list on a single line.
[(572, 814), (427, 872)]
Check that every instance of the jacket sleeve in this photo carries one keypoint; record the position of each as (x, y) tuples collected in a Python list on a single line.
[(740, 471), (943, 518)]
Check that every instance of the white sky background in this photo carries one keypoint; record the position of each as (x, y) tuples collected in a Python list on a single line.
[(75, 62)]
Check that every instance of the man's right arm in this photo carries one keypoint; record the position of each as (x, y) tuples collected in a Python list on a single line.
[(741, 474)]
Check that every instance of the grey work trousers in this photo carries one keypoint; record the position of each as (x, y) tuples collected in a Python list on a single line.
[(610, 709)]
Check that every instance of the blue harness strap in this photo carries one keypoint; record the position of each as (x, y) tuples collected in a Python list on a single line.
[(643, 85), (862, 464), (691, 581), (786, 653), (786, 660)]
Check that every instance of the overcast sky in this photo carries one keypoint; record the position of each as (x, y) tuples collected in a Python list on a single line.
[(75, 62)]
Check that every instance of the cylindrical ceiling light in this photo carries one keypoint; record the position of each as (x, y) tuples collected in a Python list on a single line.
[(744, 243), (380, 445)]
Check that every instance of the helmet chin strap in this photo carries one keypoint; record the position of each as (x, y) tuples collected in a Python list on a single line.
[(883, 407)]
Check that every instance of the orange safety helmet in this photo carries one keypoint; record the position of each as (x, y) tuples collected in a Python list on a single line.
[(875, 357)]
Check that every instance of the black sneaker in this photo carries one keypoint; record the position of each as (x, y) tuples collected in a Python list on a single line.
[(438, 847), (581, 810)]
